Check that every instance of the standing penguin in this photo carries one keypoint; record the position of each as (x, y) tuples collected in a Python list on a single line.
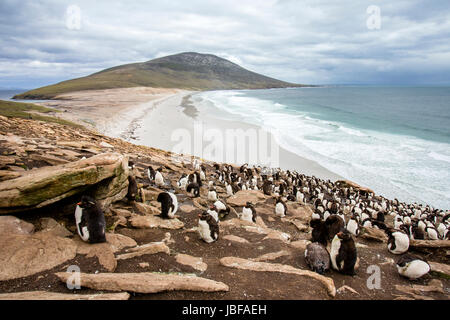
[(182, 182), (280, 208), (317, 257), (132, 193), (353, 227), (398, 241), (159, 179), (208, 228), (194, 189), (212, 194), (169, 204), (90, 220), (222, 209), (248, 212), (151, 174), (412, 267), (343, 253)]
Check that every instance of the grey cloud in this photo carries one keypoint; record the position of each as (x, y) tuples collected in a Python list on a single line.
[(305, 42)]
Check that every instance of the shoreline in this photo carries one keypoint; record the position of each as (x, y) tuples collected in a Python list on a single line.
[(150, 116)]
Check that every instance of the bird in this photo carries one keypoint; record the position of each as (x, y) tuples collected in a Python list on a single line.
[(90, 220)]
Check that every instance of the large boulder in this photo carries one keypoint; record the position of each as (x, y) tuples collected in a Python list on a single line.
[(12, 225), (107, 173), (146, 282), (242, 197), (25, 255)]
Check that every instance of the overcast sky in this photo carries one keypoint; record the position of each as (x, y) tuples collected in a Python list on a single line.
[(315, 42)]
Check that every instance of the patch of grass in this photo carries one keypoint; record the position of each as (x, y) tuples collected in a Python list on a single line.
[(26, 111)]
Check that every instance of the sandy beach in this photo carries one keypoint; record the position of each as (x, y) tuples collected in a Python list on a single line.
[(158, 117)]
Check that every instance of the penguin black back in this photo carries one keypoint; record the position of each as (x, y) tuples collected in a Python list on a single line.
[(132, 189), (93, 218), (194, 188)]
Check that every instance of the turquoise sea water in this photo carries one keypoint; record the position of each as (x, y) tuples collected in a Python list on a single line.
[(395, 140)]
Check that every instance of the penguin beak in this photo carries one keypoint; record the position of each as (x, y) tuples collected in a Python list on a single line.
[(79, 204)]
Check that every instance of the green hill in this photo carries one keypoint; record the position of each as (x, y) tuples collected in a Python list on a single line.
[(188, 70)]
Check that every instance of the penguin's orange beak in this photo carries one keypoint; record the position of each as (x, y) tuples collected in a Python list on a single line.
[(79, 203)]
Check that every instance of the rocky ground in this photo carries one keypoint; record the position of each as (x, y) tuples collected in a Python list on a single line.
[(44, 168)]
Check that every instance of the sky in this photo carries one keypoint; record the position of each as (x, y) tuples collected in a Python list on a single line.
[(375, 42)]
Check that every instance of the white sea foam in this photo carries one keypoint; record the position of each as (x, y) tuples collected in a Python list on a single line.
[(396, 166)]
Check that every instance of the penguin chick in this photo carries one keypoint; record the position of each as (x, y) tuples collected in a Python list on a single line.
[(319, 232), (169, 204), (412, 267), (317, 257), (343, 253), (90, 220)]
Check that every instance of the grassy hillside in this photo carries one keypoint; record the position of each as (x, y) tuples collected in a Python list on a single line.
[(188, 70), (29, 111)]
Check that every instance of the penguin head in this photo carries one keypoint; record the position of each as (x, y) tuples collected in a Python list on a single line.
[(344, 235), (87, 202)]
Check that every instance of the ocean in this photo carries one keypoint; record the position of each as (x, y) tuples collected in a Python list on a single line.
[(395, 140)]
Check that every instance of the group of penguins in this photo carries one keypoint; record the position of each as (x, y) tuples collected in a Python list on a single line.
[(339, 212)]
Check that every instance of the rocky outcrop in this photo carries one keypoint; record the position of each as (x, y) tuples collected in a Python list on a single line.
[(146, 222), (194, 262), (239, 263), (146, 282), (44, 295), (149, 248), (242, 197), (46, 185), (24, 255), (12, 225)]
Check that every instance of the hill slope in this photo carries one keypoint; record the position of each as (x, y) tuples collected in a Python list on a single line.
[(188, 70)]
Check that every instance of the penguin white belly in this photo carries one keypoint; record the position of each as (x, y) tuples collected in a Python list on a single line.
[(159, 180), (247, 214), (401, 243), (279, 209), (183, 183), (219, 205), (432, 234), (202, 175), (83, 232), (414, 270), (204, 231), (352, 227), (335, 247), (212, 195), (229, 190), (214, 214), (171, 213), (441, 229)]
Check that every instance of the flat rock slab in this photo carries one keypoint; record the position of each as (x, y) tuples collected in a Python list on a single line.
[(103, 251), (440, 268), (52, 226), (149, 248), (255, 228), (374, 234), (119, 241), (231, 237), (429, 243), (194, 262), (433, 286), (46, 185), (25, 255), (300, 244), (272, 256), (13, 225), (239, 263), (44, 295), (146, 282), (144, 222), (240, 198)]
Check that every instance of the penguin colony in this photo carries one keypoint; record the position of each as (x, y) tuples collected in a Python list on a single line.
[(339, 213)]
